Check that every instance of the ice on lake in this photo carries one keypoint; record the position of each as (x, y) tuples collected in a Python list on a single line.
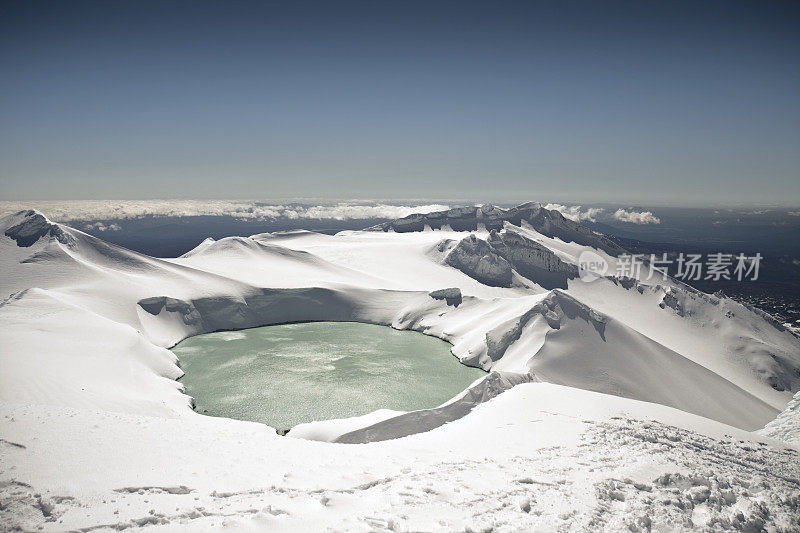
[(293, 373)]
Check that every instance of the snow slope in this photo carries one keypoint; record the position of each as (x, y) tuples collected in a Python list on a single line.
[(588, 418)]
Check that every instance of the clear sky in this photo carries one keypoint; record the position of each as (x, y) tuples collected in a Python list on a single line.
[(649, 102)]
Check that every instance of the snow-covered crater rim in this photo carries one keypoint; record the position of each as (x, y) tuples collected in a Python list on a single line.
[(163, 315)]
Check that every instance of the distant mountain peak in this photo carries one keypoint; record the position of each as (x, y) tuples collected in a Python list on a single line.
[(548, 222)]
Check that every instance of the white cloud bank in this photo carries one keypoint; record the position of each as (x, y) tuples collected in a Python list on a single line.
[(99, 226), (85, 210), (636, 217), (573, 212)]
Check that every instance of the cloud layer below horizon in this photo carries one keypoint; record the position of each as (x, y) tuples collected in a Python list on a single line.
[(107, 210), (102, 213)]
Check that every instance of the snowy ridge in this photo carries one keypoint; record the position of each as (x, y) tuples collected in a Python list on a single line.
[(579, 372), (27, 227), (629, 364), (506, 257), (488, 217), (426, 420)]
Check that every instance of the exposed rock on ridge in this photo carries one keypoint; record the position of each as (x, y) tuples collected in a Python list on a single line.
[(547, 222), (32, 226), (493, 261)]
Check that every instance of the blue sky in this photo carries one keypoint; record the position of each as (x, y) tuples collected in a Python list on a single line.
[(649, 102)]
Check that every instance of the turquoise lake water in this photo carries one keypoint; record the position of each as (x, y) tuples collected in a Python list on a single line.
[(293, 373)]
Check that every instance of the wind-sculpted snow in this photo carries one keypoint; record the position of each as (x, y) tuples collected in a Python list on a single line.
[(85, 371), (242, 246), (786, 426), (502, 337)]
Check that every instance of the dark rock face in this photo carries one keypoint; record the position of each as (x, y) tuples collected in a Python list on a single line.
[(532, 260), (451, 295), (260, 308), (156, 304), (33, 227), (476, 258), (545, 221), (671, 299), (493, 261), (458, 218)]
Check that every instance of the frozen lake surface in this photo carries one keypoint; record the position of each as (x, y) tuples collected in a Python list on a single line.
[(293, 373)]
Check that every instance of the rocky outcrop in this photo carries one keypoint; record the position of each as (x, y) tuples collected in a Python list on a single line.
[(532, 260), (493, 261), (547, 222), (672, 300), (185, 310), (29, 226), (261, 307), (476, 258), (451, 295)]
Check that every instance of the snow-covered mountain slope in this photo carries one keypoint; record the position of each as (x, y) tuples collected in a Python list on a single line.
[(735, 342), (261, 263), (715, 332), (82, 268), (592, 399), (595, 352)]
